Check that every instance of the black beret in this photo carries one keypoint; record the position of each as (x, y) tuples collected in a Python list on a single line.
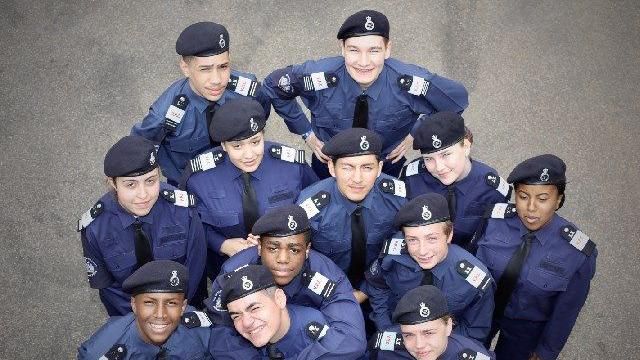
[(237, 119), (282, 221), (365, 22), (130, 156), (421, 304), (540, 170), (203, 39), (353, 142), (438, 132), (425, 209), (246, 281), (159, 276)]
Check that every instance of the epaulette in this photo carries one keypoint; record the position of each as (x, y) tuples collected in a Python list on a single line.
[(206, 161), (468, 354), (314, 204), (501, 211), (179, 198), (243, 85), (387, 341), (90, 215), (319, 283), (316, 331), (499, 184), (288, 154), (393, 246), (175, 112), (415, 167), (393, 186), (578, 239), (473, 274), (117, 352), (194, 319), (319, 81), (414, 85)]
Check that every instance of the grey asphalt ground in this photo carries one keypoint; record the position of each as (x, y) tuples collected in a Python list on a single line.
[(543, 76)]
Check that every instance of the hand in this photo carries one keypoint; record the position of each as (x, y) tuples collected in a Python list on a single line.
[(534, 356), (316, 146), (232, 246), (360, 296), (401, 149), (253, 239)]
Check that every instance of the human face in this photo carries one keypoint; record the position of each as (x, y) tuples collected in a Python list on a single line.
[(208, 75), (137, 194), (427, 340), (246, 154), (428, 245), (355, 175), (450, 164), (258, 317), (157, 315), (284, 256), (364, 57), (536, 204)]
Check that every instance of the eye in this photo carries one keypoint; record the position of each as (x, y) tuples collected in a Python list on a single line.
[(236, 146), (255, 142), (224, 66), (295, 251), (235, 317), (522, 196), (272, 249), (148, 303), (130, 185), (151, 181)]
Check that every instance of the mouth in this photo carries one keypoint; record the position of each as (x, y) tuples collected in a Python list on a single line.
[(281, 272), (142, 205), (215, 91), (158, 328), (363, 71), (255, 331), (425, 259), (531, 219)]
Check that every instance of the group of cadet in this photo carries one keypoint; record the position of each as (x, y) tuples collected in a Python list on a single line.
[(358, 255)]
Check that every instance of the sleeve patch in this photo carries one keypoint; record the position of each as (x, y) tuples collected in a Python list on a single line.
[(117, 352), (578, 239), (468, 354), (499, 184), (176, 112), (393, 186), (474, 275), (320, 284), (179, 198), (206, 161), (194, 319), (316, 331), (387, 341), (90, 215), (288, 154), (243, 86), (414, 85), (314, 204), (319, 81)]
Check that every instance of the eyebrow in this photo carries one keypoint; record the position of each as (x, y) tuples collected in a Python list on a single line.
[(251, 305)]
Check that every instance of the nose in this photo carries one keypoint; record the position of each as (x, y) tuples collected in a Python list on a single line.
[(216, 77), (531, 204), (160, 312), (423, 248), (439, 164), (142, 192), (357, 175), (247, 321), (421, 342), (363, 59), (283, 257)]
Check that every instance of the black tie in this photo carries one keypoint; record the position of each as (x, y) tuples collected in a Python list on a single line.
[(274, 353), (142, 245), (249, 203), (451, 199), (211, 109), (162, 355), (358, 247), (509, 279), (427, 277), (361, 112)]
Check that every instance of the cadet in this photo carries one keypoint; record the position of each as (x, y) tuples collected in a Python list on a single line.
[(426, 257), (179, 120), (425, 331), (129, 226), (260, 313), (446, 167), (352, 213), (235, 184), (543, 263), (307, 278), (362, 88), (153, 330)]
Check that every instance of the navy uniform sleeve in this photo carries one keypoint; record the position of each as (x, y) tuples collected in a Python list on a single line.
[(309, 176), (378, 291), (97, 272), (196, 253), (566, 311), (151, 127), (477, 318)]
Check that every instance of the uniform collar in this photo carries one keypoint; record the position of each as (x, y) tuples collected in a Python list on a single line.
[(372, 91), (349, 205), (296, 284), (258, 174), (441, 268), (125, 217), (196, 100), (546, 232), (463, 186), (138, 343)]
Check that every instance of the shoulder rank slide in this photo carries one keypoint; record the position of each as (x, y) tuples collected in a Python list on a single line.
[(468, 354), (320, 284), (500, 184), (393, 246), (501, 211), (206, 161), (288, 154), (175, 112), (242, 85), (90, 215), (473, 274), (194, 319), (316, 331), (319, 81), (578, 239), (117, 352), (387, 341), (179, 198), (414, 85), (314, 204), (393, 186), (413, 168)]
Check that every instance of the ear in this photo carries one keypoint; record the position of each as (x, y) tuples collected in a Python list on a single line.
[(559, 201), (306, 252), (184, 306), (111, 183), (341, 46), (450, 237), (280, 298), (331, 165), (380, 164), (133, 305), (184, 67), (466, 144), (449, 326), (224, 147), (387, 51), (259, 247)]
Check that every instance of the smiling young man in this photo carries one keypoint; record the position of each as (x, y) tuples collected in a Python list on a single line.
[(306, 277), (364, 87), (152, 330), (179, 119), (139, 220)]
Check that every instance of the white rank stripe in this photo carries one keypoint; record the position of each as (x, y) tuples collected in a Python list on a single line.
[(388, 340), (413, 168), (499, 210), (323, 332), (288, 154), (319, 82), (579, 240), (103, 358), (204, 319), (174, 113), (243, 86), (416, 85), (503, 187), (395, 246), (481, 356), (206, 161), (182, 198), (400, 188), (318, 282), (85, 220), (310, 208), (476, 276)]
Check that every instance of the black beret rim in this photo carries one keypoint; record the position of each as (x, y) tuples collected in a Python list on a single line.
[(284, 235), (444, 147), (536, 182), (336, 157), (351, 35), (137, 172), (424, 222), (142, 290), (226, 301), (239, 137), (209, 53), (420, 321)]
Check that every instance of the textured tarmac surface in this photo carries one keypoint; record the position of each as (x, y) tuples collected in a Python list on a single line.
[(544, 76)]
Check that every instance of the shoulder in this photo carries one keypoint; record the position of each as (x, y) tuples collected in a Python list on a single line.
[(285, 153), (403, 68), (329, 64), (316, 198), (95, 211), (170, 196), (487, 175), (573, 236), (390, 187), (388, 340), (207, 161), (108, 335), (242, 84), (468, 348), (240, 259), (469, 268), (323, 265), (412, 168), (308, 321)]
